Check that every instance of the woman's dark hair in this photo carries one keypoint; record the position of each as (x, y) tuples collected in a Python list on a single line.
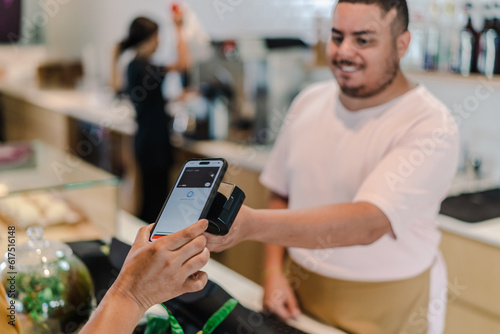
[(140, 30)]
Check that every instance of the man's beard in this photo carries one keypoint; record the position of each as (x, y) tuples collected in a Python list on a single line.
[(390, 73)]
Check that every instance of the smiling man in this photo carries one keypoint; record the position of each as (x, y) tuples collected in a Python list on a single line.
[(357, 175)]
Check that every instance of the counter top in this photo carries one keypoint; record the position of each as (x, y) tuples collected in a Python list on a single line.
[(248, 293), (251, 157), (99, 108), (487, 232)]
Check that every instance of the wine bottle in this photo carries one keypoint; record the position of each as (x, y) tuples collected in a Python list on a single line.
[(469, 44), (488, 43), (496, 25)]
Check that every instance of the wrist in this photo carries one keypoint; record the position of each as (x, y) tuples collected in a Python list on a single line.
[(269, 272), (251, 225), (126, 299), (116, 313)]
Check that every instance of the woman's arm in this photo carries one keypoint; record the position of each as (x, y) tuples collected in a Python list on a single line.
[(116, 81), (183, 57)]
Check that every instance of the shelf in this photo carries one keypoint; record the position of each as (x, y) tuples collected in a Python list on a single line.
[(52, 169)]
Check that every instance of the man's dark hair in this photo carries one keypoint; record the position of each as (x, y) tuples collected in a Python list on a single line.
[(402, 19)]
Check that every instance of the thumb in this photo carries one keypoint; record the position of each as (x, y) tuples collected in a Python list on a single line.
[(143, 234)]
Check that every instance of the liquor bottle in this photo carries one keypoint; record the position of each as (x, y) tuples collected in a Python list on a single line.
[(455, 19), (488, 44), (415, 57), (469, 44), (432, 42), (449, 31), (496, 25)]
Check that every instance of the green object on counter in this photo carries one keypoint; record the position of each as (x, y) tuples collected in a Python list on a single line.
[(157, 324), (218, 317), (172, 323), (215, 320)]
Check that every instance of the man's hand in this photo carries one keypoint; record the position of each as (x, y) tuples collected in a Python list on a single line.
[(240, 231), (166, 268), (279, 297)]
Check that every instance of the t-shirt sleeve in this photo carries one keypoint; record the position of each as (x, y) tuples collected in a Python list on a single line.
[(414, 175), (274, 174)]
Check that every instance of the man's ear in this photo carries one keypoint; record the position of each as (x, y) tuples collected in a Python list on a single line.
[(402, 43)]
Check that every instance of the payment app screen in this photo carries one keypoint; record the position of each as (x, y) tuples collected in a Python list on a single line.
[(187, 200)]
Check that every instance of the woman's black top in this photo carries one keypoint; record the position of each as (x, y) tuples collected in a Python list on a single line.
[(152, 147), (144, 88)]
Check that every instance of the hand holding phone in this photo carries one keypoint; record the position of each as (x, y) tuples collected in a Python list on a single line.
[(191, 197)]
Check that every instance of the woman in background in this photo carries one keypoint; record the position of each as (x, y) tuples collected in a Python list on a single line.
[(153, 152)]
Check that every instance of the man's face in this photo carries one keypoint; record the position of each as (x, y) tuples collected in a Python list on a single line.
[(362, 51)]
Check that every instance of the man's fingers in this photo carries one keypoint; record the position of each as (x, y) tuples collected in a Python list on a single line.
[(293, 306), (280, 310), (216, 243), (179, 239)]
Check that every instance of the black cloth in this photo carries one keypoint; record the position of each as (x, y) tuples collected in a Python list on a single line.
[(152, 148)]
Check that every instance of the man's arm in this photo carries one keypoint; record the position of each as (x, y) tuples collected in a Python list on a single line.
[(337, 225), (279, 297), (274, 254)]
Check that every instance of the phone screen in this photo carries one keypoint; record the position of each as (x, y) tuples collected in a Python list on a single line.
[(189, 196)]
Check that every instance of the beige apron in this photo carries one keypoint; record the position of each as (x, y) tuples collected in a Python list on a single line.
[(395, 307)]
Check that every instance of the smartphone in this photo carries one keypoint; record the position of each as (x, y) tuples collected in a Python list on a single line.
[(191, 197)]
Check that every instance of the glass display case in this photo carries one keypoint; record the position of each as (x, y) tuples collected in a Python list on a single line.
[(40, 185)]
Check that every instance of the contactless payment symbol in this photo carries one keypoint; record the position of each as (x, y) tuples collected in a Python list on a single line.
[(190, 194)]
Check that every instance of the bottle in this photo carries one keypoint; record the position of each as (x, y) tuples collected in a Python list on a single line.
[(469, 44), (449, 28), (414, 59), (453, 20), (488, 44), (432, 42), (496, 25)]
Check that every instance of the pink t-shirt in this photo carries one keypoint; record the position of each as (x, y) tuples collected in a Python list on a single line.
[(400, 156)]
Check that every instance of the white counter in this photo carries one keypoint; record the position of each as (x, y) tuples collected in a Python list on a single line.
[(251, 157), (248, 293), (487, 231), (99, 108)]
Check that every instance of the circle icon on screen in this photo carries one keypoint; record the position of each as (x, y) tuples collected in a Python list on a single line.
[(190, 194), (207, 184)]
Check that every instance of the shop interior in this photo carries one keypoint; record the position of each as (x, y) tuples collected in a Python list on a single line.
[(67, 136)]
